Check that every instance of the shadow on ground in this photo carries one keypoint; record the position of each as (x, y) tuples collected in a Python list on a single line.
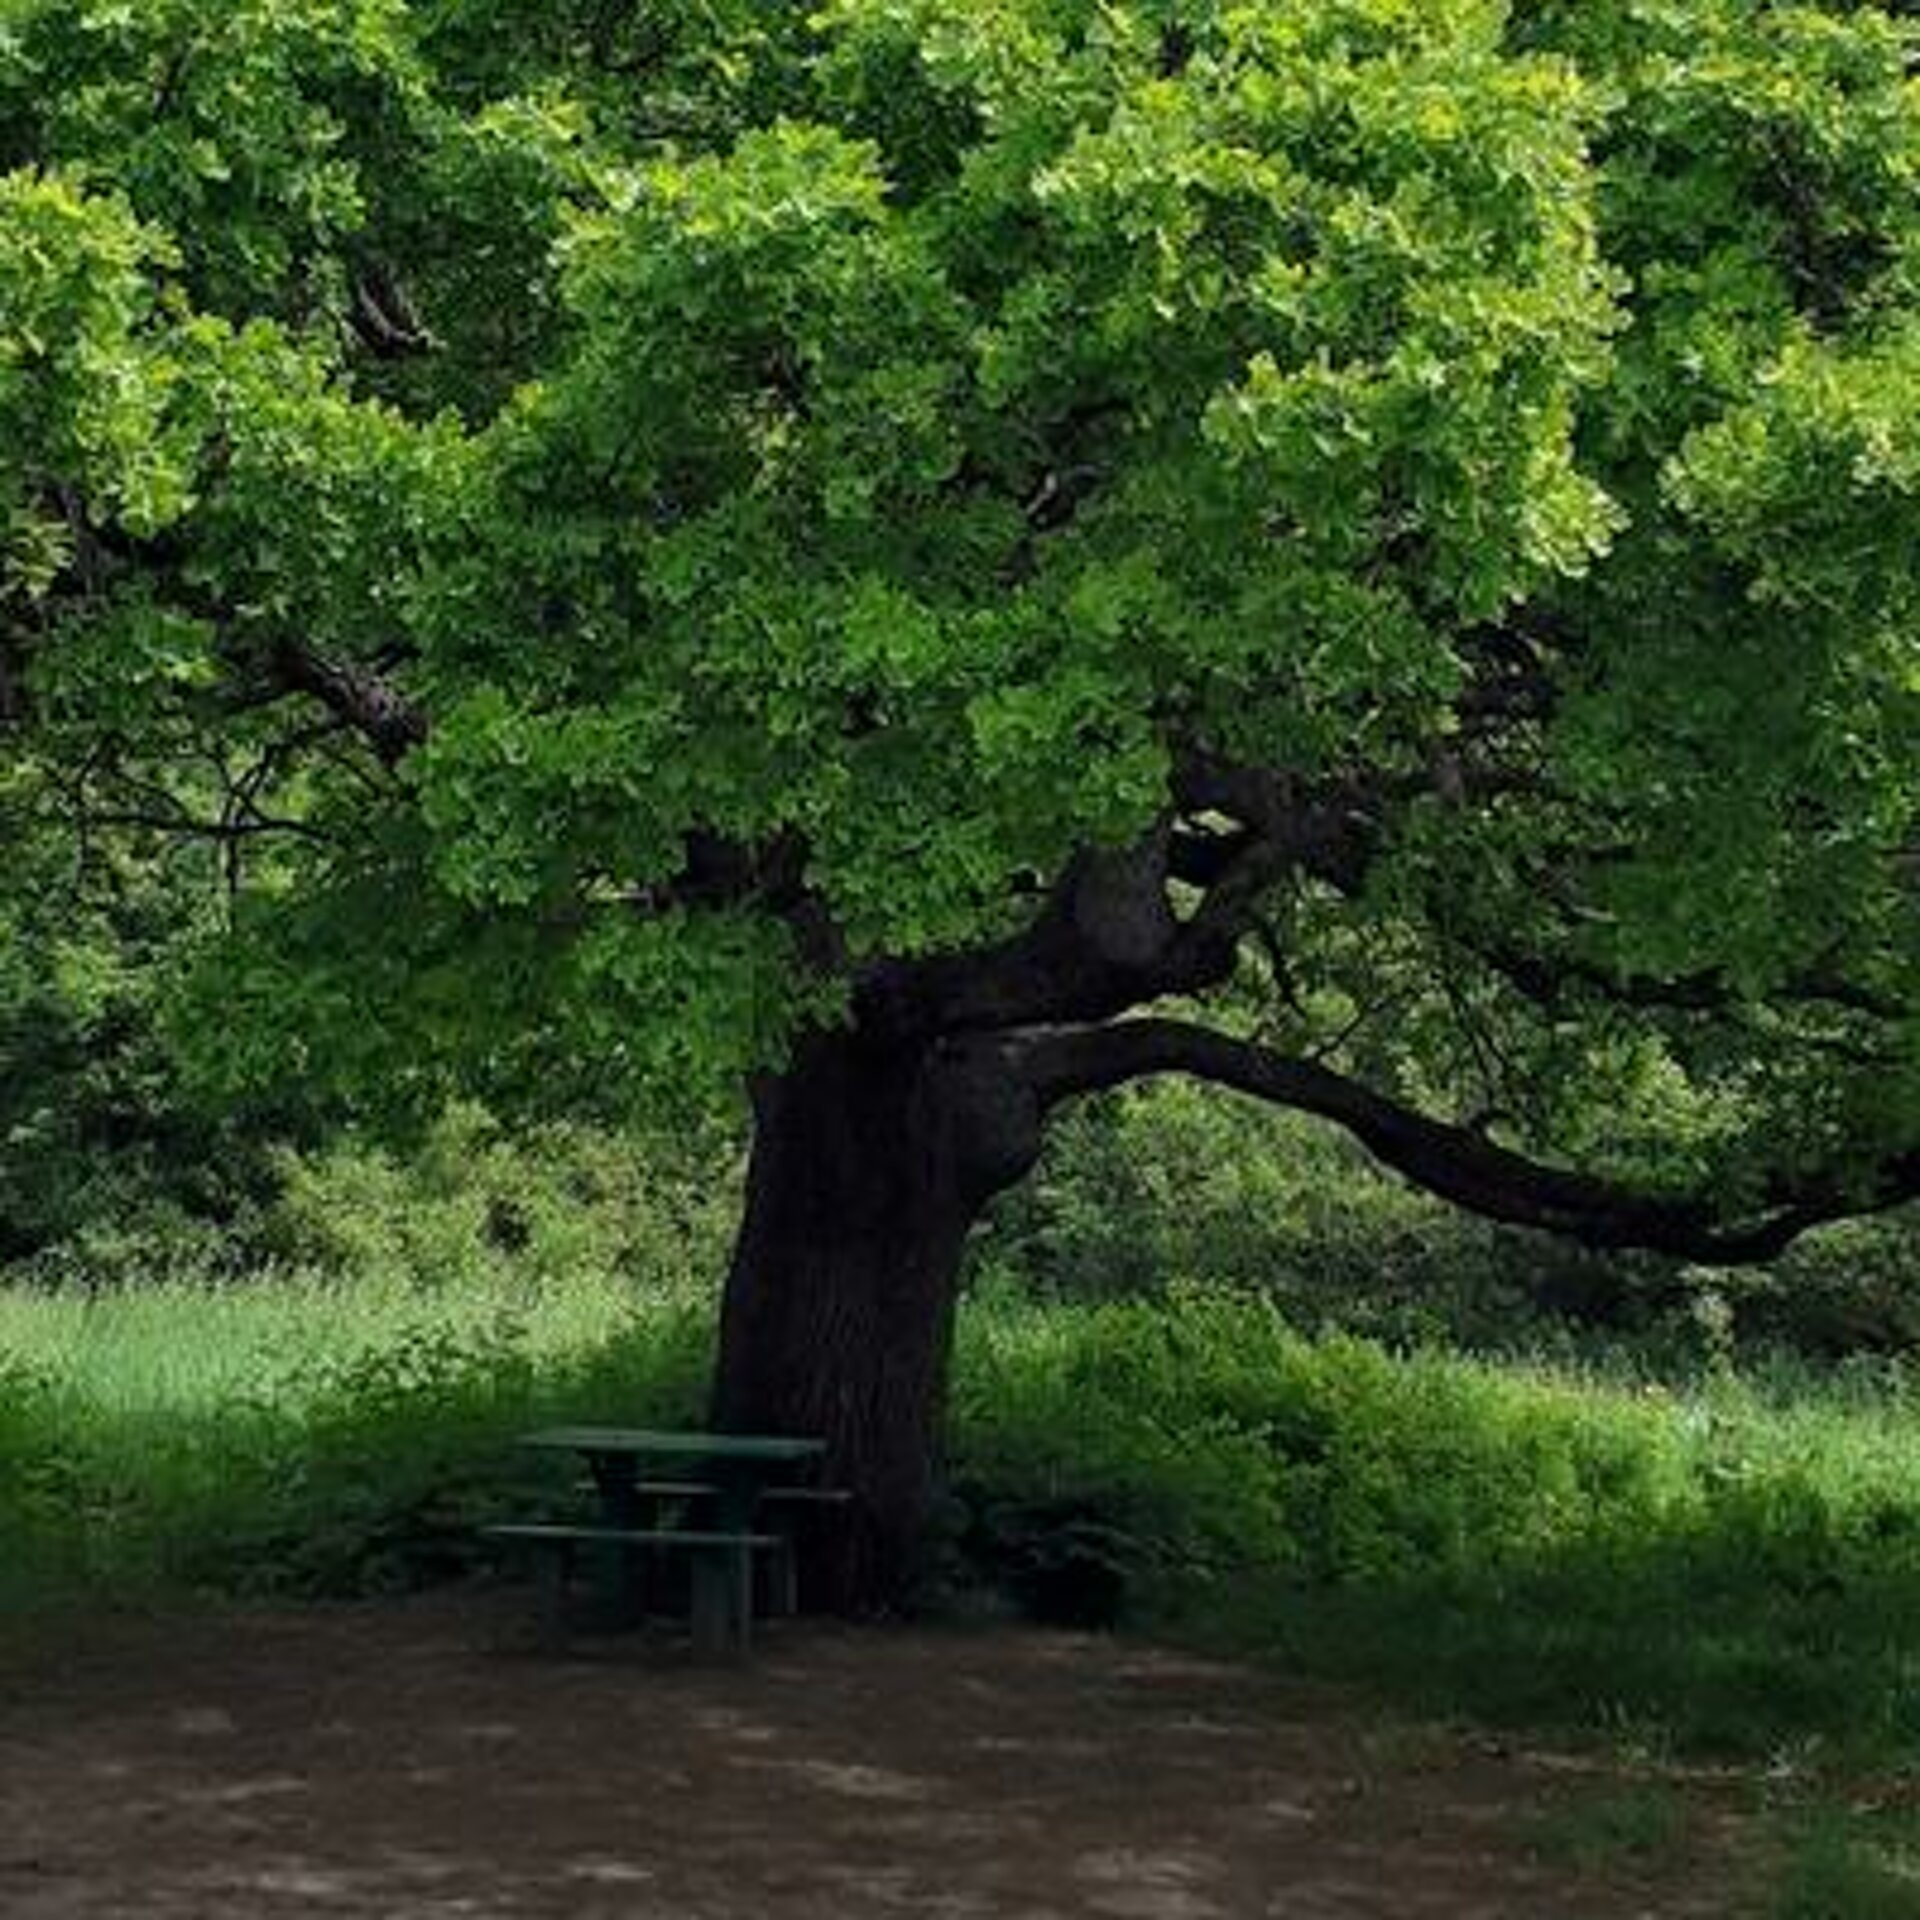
[(396, 1761)]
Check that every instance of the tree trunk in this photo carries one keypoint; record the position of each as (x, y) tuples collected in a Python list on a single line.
[(870, 1163)]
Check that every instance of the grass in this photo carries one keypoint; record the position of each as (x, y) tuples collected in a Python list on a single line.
[(1843, 1865), (1718, 1569), (1730, 1567), (1635, 1825), (187, 1348), (304, 1433)]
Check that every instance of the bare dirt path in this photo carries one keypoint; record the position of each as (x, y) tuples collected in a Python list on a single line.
[(388, 1761)]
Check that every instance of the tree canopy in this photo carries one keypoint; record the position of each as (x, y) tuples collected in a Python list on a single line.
[(640, 534)]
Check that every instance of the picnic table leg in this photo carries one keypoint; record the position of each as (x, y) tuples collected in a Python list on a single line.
[(722, 1578), (740, 1594), (784, 1574), (622, 1584), (717, 1623)]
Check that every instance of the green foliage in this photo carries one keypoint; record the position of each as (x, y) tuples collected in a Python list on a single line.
[(38, 1486), (1067, 1421), (342, 1418), (241, 130), (1173, 1183), (1233, 1441), (1707, 1566), (1849, 1868), (102, 1148), (561, 1207), (1702, 1566), (306, 1435), (753, 480), (892, 438)]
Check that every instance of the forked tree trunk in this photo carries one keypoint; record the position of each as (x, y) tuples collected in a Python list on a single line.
[(839, 1306)]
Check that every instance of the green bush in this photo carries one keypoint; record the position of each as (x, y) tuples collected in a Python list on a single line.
[(1215, 1435), (541, 1206), (467, 1200), (1715, 1567)]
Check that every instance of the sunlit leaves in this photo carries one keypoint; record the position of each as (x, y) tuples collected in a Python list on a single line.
[(899, 433), (85, 380), (231, 125)]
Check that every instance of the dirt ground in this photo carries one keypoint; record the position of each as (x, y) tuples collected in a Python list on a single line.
[(397, 1761)]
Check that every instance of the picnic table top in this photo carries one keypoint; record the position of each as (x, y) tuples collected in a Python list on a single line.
[(640, 1441)]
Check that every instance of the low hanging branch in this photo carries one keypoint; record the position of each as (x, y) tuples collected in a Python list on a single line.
[(1451, 1161)]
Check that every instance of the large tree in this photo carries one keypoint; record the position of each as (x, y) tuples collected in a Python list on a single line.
[(903, 551)]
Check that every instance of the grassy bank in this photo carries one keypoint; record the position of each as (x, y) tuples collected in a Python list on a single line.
[(1727, 1566)]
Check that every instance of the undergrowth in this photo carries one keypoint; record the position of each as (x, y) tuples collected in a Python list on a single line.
[(1721, 1567), (1718, 1568)]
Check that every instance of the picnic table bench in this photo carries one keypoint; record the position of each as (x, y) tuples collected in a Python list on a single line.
[(710, 1514)]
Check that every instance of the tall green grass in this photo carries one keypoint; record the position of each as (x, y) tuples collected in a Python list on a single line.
[(303, 1433), (186, 1348), (1730, 1565)]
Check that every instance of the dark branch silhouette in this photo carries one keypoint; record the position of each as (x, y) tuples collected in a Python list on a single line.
[(1456, 1162)]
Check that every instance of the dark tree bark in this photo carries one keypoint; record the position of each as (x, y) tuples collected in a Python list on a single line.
[(872, 1157), (876, 1149), (874, 1154)]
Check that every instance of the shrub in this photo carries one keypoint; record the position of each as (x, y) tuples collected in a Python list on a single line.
[(1708, 1566), (550, 1205)]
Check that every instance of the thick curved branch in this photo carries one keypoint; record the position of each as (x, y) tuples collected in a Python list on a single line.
[(1104, 941), (1451, 1161), (1107, 940)]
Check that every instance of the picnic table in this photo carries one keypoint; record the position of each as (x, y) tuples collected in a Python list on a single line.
[(710, 1511)]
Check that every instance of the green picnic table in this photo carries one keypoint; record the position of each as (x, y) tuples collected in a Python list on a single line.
[(710, 1511)]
